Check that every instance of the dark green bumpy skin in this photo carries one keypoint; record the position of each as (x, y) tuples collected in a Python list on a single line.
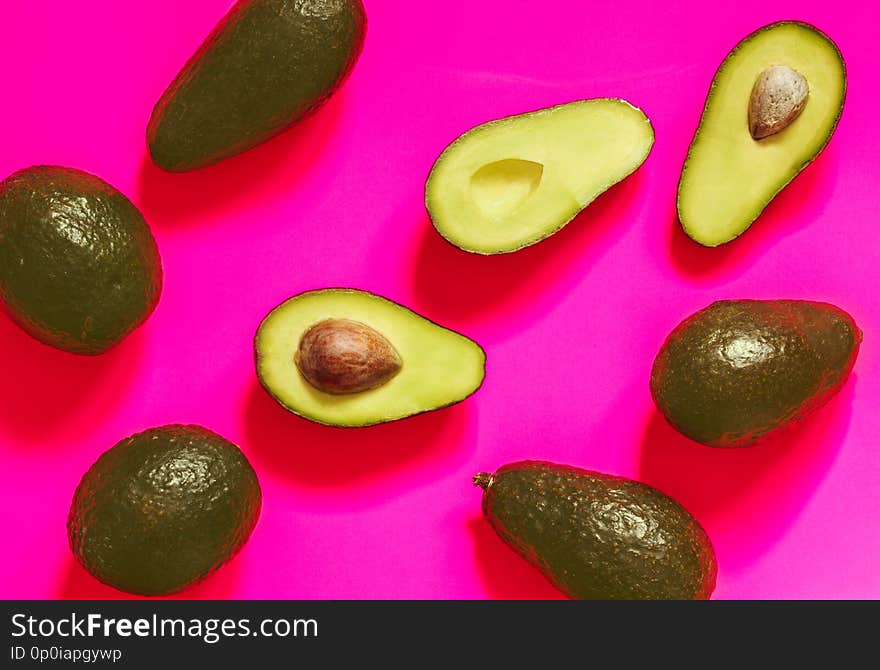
[(737, 370), (599, 537), (265, 66), (79, 268), (162, 509)]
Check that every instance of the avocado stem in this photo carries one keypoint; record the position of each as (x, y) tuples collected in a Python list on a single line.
[(483, 480)]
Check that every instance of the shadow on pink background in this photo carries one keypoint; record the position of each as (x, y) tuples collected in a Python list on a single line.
[(571, 326), (77, 584), (49, 396), (747, 496), (514, 289), (804, 199), (272, 170), (339, 464)]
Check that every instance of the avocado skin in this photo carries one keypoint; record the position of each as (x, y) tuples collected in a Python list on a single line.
[(79, 268), (162, 509), (739, 369), (599, 537), (265, 66)]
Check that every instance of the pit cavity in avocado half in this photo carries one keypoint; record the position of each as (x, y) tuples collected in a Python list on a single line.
[(344, 357), (512, 182), (735, 167)]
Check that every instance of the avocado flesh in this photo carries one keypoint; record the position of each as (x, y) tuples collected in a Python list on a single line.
[(162, 509), (510, 183), (79, 268), (599, 537), (728, 177), (439, 366), (265, 66), (738, 370)]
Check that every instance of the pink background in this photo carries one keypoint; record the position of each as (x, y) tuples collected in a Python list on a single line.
[(571, 326)]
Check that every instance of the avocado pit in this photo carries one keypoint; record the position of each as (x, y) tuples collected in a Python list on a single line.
[(341, 356), (778, 97)]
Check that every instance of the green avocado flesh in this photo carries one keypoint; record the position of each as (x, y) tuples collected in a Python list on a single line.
[(438, 367), (739, 369), (79, 268), (510, 183), (599, 537), (728, 177), (162, 509), (264, 67)]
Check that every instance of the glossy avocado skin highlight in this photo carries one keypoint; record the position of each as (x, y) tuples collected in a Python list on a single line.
[(79, 268), (599, 537), (265, 66), (739, 369), (162, 509)]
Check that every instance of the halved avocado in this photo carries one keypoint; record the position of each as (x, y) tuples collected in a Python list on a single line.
[(510, 183), (729, 177), (435, 367)]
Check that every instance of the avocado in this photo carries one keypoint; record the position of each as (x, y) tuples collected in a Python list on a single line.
[(265, 66), (79, 268), (599, 537), (739, 369), (513, 182), (771, 109), (343, 357), (162, 509)]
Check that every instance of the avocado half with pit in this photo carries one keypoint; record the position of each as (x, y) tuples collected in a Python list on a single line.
[(772, 108), (512, 182), (344, 357)]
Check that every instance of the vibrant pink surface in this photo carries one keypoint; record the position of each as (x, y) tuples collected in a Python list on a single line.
[(571, 326)]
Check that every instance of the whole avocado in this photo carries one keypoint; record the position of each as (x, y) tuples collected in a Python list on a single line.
[(739, 369), (79, 268), (162, 509), (599, 537), (265, 66)]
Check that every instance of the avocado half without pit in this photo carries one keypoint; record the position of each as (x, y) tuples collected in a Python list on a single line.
[(741, 369), (344, 357), (266, 65), (162, 509), (79, 268), (772, 108), (513, 182), (597, 536)]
